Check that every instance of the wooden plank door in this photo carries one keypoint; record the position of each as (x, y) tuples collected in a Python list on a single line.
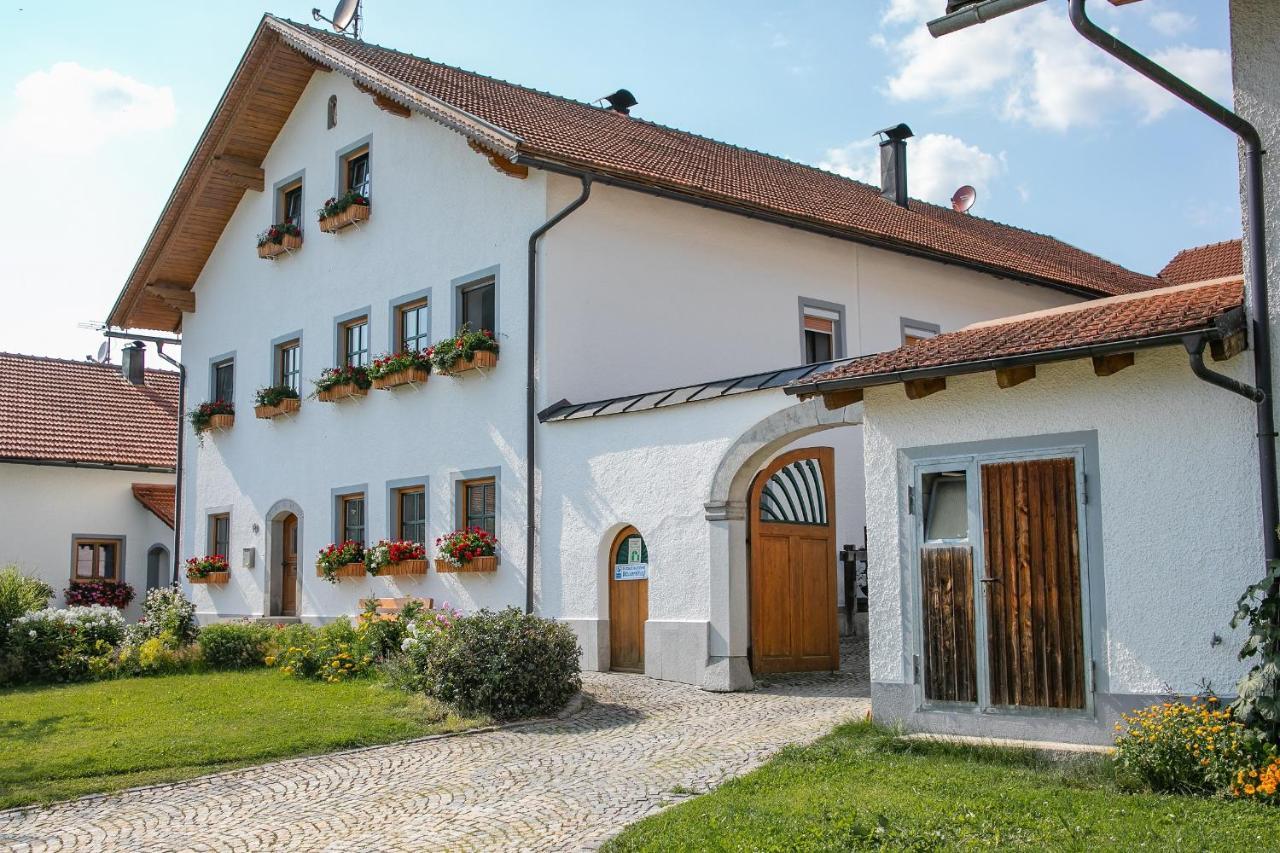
[(628, 601), (950, 647), (1035, 624), (793, 560), (289, 566)]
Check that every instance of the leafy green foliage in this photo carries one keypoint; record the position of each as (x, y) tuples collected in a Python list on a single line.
[(337, 652), (19, 595), (235, 645), (336, 205), (332, 377), (1258, 693), (276, 233), (76, 644), (165, 612), (274, 395), (462, 347), (202, 415), (395, 362)]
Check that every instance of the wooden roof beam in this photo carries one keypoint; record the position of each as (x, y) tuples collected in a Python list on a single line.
[(1008, 377), (239, 172), (383, 102), (840, 399), (176, 296), (918, 389), (1107, 365)]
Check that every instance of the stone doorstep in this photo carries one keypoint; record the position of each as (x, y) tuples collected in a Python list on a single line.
[(1012, 743)]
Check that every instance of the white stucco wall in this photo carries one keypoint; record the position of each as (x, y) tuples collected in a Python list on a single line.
[(46, 505), (1178, 497), (440, 212)]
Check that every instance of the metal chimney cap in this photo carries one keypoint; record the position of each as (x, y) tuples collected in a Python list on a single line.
[(897, 133)]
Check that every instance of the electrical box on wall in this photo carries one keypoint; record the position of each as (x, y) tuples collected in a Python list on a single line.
[(247, 557)]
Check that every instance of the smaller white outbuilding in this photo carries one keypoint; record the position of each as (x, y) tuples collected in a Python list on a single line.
[(87, 457), (1061, 513)]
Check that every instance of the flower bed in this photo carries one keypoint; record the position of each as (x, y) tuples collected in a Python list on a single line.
[(279, 239), (85, 593), (276, 400), (208, 570), (218, 414), (345, 210), (344, 560), (465, 351), (396, 557), (468, 550), (402, 368), (338, 383)]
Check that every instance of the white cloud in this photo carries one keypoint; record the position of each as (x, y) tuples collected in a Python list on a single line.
[(73, 110), (1041, 71), (1167, 22), (937, 164)]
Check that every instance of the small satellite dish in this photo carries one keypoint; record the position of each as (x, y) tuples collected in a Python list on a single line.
[(104, 353), (344, 13), (964, 199)]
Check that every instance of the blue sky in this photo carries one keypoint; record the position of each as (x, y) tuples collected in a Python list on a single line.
[(104, 101)]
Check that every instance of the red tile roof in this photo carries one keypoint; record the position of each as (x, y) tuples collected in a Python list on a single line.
[(55, 410), (1167, 311), (552, 128), (158, 498), (1205, 263)]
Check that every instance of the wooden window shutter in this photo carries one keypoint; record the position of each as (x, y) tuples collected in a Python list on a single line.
[(820, 324), (1035, 634)]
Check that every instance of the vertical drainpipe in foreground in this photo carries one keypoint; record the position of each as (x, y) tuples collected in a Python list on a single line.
[(177, 488), (531, 397)]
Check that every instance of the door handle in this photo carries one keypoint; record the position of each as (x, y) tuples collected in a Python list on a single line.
[(990, 580)]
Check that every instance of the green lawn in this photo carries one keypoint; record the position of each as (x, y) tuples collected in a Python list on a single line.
[(861, 788), (60, 742)]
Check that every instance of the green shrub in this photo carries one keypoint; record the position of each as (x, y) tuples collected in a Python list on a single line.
[(76, 644), (166, 613), (507, 664), (19, 595), (235, 645), (336, 652), (159, 655)]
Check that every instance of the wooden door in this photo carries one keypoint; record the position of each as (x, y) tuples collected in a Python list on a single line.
[(628, 601), (950, 650), (1035, 624), (793, 564), (289, 566)]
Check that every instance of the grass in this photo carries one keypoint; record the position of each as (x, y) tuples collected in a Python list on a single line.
[(61, 742), (862, 788)]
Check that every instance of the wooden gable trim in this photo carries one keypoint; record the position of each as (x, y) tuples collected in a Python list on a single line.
[(497, 161), (383, 102)]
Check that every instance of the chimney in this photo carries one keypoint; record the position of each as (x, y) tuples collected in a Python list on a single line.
[(133, 363), (893, 163), (621, 101)]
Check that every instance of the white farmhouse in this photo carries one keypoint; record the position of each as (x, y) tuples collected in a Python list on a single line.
[(87, 455), (653, 293)]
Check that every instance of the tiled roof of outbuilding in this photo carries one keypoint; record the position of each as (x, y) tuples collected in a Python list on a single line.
[(1205, 263), (158, 498), (1055, 333), (56, 410)]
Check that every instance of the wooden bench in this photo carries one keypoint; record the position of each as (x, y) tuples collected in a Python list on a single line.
[(389, 608)]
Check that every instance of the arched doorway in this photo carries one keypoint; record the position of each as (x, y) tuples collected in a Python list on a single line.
[(283, 589), (793, 554), (157, 567), (288, 571), (628, 600)]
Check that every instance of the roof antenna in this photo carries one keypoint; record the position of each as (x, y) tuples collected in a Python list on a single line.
[(347, 17)]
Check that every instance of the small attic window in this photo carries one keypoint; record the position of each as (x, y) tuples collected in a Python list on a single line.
[(331, 120)]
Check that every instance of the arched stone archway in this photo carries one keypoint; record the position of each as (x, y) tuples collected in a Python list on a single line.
[(726, 513), (272, 571)]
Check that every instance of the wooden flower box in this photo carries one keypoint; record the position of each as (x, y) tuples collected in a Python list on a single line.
[(213, 578), (408, 376), (350, 570), (222, 421), (482, 360), (341, 392), (479, 564), (288, 243), (353, 214), (404, 567), (286, 406)]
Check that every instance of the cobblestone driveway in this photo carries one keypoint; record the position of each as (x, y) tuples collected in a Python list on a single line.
[(565, 784)]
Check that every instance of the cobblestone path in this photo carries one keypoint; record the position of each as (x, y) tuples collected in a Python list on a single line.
[(636, 746)]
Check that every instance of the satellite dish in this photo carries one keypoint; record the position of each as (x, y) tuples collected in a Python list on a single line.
[(964, 199), (344, 13), (104, 353)]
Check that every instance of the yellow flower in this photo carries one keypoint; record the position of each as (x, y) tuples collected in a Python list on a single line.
[(1249, 789)]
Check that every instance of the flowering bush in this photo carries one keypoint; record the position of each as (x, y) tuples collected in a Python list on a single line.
[(1186, 747), (273, 395), (1253, 783), (396, 362), (462, 546), (332, 377), (334, 206), (167, 614), (334, 557), (461, 347), (202, 567), (202, 415), (66, 645), (235, 645), (276, 233), (83, 593), (388, 551), (334, 653), (19, 595)]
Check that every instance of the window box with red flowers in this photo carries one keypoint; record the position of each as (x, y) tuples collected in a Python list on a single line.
[(344, 560), (345, 210), (212, 569), (396, 557), (402, 368), (216, 415), (465, 351), (276, 400), (471, 549), (339, 383), (279, 239), (108, 593)]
